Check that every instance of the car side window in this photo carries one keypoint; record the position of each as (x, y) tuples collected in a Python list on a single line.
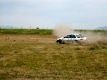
[(72, 36), (68, 36)]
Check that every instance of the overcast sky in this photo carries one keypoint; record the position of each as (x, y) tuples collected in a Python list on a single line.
[(80, 14)]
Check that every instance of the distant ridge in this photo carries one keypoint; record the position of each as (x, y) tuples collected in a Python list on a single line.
[(102, 28), (7, 27)]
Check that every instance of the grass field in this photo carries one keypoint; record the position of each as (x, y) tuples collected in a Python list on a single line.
[(38, 57)]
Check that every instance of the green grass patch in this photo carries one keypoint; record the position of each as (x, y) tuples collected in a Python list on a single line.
[(27, 31), (42, 31)]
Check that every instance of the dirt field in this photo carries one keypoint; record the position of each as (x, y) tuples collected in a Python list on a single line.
[(34, 57)]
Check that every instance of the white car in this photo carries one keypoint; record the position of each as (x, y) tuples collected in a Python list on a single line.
[(71, 38)]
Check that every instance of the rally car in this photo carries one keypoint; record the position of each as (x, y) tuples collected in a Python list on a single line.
[(71, 38)]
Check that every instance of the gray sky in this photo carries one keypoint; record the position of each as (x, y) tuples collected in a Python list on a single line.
[(79, 14)]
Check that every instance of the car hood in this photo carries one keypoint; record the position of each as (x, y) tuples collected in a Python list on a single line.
[(60, 38)]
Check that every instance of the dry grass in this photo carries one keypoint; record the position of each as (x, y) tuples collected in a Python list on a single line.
[(32, 57)]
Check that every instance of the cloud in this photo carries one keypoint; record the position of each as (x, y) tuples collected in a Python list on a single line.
[(52, 12)]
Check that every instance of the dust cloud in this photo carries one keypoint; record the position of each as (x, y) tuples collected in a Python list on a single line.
[(63, 30)]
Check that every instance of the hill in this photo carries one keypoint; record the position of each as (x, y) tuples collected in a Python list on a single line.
[(103, 28)]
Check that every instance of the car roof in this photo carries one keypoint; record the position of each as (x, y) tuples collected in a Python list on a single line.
[(73, 34)]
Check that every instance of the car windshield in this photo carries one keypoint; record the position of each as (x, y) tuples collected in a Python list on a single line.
[(68, 36)]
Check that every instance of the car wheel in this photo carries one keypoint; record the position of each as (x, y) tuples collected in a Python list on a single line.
[(60, 41)]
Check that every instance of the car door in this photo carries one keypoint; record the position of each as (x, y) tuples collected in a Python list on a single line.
[(66, 38), (72, 38)]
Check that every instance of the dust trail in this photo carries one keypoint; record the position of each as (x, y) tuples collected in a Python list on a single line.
[(96, 38)]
